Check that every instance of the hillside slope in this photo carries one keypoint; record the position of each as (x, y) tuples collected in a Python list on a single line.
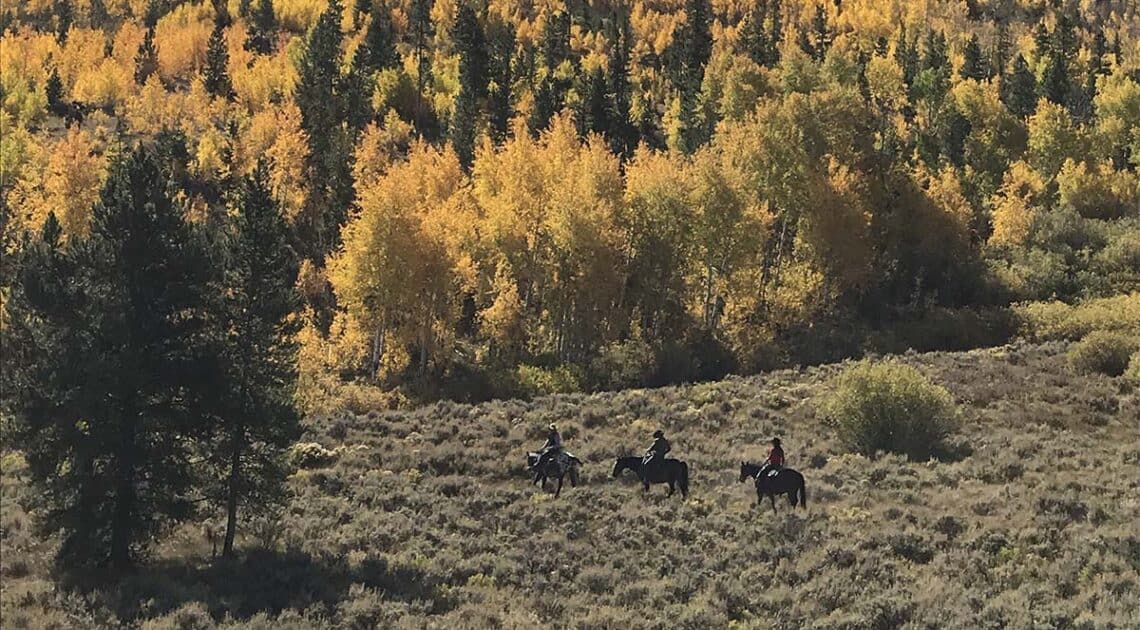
[(426, 518)]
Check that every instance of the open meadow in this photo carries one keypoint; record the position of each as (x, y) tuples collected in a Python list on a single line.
[(425, 518)]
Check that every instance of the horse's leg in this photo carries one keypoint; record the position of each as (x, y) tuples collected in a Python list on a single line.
[(559, 490), (671, 488), (772, 498)]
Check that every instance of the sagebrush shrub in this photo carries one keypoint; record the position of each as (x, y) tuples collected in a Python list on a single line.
[(1103, 352), (889, 406), (1133, 371)]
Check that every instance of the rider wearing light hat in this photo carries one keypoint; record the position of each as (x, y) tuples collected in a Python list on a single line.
[(550, 449)]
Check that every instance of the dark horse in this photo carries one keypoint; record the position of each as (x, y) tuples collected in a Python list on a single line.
[(556, 467), (671, 471), (787, 481)]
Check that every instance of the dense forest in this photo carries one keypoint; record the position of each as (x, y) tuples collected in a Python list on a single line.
[(491, 198)]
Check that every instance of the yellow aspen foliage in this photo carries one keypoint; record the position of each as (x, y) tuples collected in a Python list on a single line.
[(1015, 205), (885, 81), (838, 234), (181, 37), (65, 179), (395, 272), (259, 80), (945, 190), (277, 134), (379, 146), (1098, 191), (1053, 138)]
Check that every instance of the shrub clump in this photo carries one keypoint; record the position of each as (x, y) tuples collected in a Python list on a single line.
[(1103, 352), (1133, 371), (311, 455), (888, 406)]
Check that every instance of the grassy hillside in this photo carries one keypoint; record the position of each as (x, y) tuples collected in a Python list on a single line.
[(425, 517)]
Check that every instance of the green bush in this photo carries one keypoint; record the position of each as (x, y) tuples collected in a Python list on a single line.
[(532, 381), (1103, 352), (623, 365), (1048, 321), (889, 406), (1133, 371)]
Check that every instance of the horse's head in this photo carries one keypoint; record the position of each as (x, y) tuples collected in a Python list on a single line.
[(743, 471), (618, 467), (531, 460)]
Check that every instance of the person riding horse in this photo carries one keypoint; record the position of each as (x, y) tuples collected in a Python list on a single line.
[(658, 449), (549, 450), (775, 461)]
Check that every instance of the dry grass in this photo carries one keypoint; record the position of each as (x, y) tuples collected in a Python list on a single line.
[(425, 517)]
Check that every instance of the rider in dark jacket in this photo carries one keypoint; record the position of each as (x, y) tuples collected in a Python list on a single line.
[(659, 447), (551, 449), (775, 459)]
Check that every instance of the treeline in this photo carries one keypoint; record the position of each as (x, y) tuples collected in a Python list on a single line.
[(149, 363), (491, 198)]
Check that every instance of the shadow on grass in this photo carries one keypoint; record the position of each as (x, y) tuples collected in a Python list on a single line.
[(259, 581)]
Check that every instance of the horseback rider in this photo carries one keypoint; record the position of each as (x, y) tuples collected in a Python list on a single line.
[(775, 461), (658, 449), (549, 450)]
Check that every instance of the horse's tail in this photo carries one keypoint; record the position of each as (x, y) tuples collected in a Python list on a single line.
[(803, 493), (684, 479)]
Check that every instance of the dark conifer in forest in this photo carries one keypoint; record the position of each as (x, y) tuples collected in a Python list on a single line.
[(1019, 89), (108, 368), (216, 77), (378, 50), (146, 60), (263, 29), (501, 77), (973, 64), (256, 416)]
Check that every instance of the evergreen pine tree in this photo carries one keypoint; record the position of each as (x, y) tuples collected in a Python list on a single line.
[(217, 79), (53, 90), (776, 32), (999, 56), (1041, 40), (471, 44), (1019, 89), (1065, 36), (146, 60), (906, 55), (331, 110), (973, 64), (64, 16), (546, 106), (754, 33), (1054, 82), (154, 11), (592, 115), (379, 46), (821, 34), (263, 29), (97, 16), (257, 418), (107, 368), (502, 48), (623, 133), (462, 128), (934, 56), (420, 31)]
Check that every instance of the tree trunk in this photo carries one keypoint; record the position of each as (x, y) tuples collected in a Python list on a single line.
[(122, 521), (232, 492)]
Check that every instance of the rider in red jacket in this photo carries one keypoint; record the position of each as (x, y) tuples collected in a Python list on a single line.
[(775, 459)]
